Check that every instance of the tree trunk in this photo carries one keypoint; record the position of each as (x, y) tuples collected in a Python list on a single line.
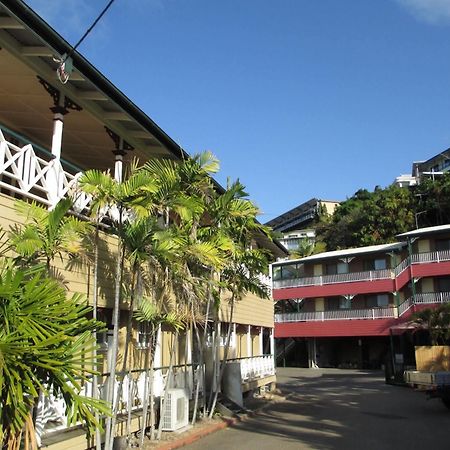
[(109, 435), (224, 361)]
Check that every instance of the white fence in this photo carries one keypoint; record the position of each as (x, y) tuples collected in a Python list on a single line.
[(344, 314), (371, 275), (255, 367), (39, 178), (51, 410), (321, 280)]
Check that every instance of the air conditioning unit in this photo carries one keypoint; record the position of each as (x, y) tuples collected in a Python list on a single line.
[(176, 410)]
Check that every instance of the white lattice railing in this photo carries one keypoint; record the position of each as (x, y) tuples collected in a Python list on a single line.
[(255, 367), (39, 178), (51, 410), (340, 314)]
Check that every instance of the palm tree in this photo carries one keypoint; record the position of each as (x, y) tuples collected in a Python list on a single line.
[(118, 200), (236, 217), (45, 343), (47, 234)]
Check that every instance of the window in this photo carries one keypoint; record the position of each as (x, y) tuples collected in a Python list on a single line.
[(144, 336), (377, 301), (375, 264), (442, 244), (334, 269), (380, 264), (287, 271), (443, 284), (345, 303)]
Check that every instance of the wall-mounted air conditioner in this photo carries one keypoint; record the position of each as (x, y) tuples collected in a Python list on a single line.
[(176, 410)]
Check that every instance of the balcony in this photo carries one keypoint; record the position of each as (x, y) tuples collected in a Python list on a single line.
[(427, 298), (322, 280), (33, 173), (342, 314), (435, 263)]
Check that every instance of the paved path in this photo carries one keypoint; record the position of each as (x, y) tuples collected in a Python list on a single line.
[(339, 409)]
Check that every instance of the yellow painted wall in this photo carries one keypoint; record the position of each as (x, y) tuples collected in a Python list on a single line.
[(318, 270), (423, 246), (77, 275), (320, 304), (251, 310), (427, 285)]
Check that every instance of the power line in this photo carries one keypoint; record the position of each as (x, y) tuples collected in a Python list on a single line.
[(63, 75)]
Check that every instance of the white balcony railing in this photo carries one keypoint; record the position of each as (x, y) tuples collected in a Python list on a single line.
[(341, 314), (255, 367), (372, 275), (430, 257), (321, 280), (51, 417), (39, 178)]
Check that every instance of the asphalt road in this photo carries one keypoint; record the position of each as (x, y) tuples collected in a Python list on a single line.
[(339, 409)]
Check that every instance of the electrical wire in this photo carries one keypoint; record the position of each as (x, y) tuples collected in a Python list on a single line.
[(64, 77)]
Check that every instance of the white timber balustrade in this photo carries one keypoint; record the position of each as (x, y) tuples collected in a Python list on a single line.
[(51, 416), (39, 178), (370, 275), (369, 313), (255, 367)]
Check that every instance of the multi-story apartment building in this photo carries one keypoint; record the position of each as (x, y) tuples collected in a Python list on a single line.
[(50, 132), (432, 167), (337, 308), (296, 224)]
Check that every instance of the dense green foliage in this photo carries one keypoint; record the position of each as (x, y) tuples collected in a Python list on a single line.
[(370, 218)]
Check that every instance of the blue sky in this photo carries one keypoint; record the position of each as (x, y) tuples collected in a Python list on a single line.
[(297, 98)]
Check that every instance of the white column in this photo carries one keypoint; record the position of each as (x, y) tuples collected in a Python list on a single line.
[(249, 341), (53, 175), (261, 344), (272, 348), (118, 165), (234, 338), (58, 125), (272, 343)]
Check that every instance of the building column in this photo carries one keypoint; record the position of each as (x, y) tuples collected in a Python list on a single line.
[(261, 345), (118, 164), (54, 174), (272, 343), (249, 341), (62, 105)]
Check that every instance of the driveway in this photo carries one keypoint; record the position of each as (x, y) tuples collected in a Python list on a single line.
[(339, 409)]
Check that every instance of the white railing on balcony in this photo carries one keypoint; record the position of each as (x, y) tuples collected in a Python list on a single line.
[(401, 267), (437, 256), (426, 298), (321, 280), (405, 306), (341, 314), (432, 297), (39, 178), (255, 367), (51, 409), (416, 258)]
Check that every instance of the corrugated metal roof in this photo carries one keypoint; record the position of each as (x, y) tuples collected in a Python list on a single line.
[(349, 252), (427, 230)]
